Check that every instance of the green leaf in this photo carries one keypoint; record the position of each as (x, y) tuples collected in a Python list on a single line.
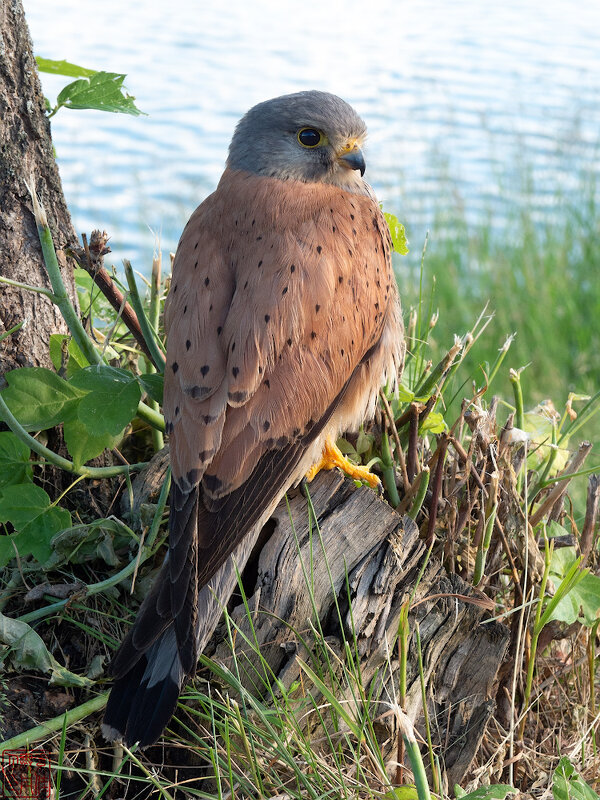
[(75, 361), (434, 423), (497, 791), (102, 91), (112, 400), (347, 449), (39, 398), (582, 602), (364, 442), (567, 785), (152, 384), (83, 445), (27, 651), (15, 466), (397, 233), (63, 68), (408, 792), (27, 507)]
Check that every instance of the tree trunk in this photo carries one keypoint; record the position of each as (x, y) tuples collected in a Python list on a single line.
[(26, 153)]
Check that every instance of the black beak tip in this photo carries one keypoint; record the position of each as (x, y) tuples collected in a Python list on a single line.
[(354, 160)]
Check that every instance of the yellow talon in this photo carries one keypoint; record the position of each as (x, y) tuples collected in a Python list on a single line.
[(332, 457)]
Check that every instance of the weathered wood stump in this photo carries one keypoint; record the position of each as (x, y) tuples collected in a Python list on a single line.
[(364, 546)]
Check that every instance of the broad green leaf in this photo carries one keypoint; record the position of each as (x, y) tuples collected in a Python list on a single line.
[(152, 383), (497, 791), (404, 395), (83, 445), (102, 91), (27, 651), (63, 68), (567, 785), (347, 449), (434, 423), (27, 507), (555, 529), (15, 466), (112, 399), (39, 398), (74, 357), (364, 442), (397, 233), (582, 603)]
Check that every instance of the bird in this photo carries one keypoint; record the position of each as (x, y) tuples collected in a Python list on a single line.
[(283, 321)]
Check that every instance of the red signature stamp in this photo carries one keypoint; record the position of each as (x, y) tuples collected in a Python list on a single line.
[(25, 775)]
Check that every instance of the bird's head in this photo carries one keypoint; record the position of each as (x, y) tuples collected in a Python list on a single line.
[(309, 136)]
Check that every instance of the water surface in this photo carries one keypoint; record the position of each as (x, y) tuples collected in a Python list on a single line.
[(471, 105)]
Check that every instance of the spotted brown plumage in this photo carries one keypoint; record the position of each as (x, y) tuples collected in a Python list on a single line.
[(283, 320)]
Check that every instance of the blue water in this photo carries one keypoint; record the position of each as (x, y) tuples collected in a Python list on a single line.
[(471, 105)]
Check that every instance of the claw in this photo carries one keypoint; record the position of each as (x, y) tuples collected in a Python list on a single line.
[(332, 457)]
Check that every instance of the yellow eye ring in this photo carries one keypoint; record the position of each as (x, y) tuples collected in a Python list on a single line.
[(310, 137)]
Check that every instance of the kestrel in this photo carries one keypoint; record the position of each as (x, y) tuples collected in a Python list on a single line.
[(283, 321)]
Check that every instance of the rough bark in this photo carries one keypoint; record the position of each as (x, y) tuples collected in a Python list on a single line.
[(26, 151), (366, 542)]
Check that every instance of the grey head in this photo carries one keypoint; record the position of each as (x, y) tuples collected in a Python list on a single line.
[(309, 136)]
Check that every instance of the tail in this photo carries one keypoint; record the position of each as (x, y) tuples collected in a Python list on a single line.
[(148, 681)]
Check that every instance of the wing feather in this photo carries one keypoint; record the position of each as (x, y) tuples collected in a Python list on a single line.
[(272, 320)]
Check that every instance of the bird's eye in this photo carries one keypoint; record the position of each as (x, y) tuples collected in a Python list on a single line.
[(309, 137)]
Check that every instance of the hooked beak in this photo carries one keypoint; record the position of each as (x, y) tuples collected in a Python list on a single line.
[(351, 157)]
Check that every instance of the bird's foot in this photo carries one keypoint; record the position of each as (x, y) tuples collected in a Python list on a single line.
[(332, 457)]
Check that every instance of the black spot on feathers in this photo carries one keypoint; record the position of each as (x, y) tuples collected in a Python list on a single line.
[(211, 482)]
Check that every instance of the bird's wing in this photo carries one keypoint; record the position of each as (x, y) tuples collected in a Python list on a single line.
[(279, 293)]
